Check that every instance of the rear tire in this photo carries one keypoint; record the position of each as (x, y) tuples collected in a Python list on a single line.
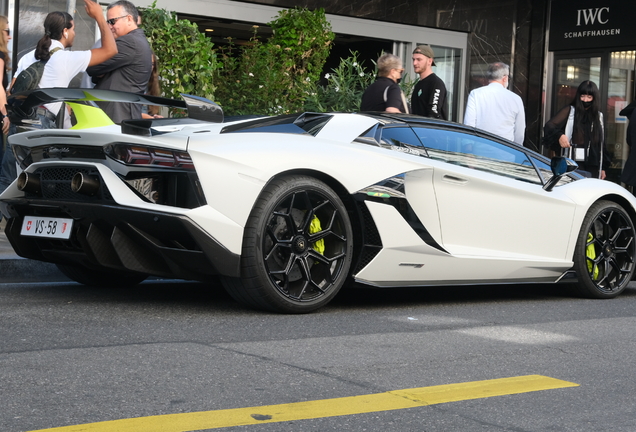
[(101, 278), (605, 251), (297, 248)]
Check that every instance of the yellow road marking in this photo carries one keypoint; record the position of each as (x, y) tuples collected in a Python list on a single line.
[(392, 400)]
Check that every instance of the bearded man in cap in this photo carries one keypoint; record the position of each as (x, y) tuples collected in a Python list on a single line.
[(429, 94)]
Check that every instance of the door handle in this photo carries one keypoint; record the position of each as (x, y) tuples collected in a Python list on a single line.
[(452, 179)]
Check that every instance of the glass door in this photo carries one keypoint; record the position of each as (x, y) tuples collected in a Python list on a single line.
[(620, 91), (613, 72), (448, 67)]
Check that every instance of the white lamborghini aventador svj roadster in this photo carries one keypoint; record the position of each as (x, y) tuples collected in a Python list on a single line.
[(285, 210)]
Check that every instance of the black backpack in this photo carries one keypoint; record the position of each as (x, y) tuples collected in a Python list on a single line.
[(29, 78)]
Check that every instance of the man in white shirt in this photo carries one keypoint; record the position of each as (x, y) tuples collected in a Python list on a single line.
[(496, 109)]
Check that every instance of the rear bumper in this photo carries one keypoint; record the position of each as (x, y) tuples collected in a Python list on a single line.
[(122, 238)]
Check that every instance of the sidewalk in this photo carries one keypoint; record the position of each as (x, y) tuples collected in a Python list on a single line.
[(14, 268)]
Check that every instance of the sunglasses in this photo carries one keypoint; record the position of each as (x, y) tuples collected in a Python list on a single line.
[(112, 21), (8, 32)]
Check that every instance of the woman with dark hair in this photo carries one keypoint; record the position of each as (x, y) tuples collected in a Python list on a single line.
[(154, 89), (5, 67), (56, 26), (578, 127)]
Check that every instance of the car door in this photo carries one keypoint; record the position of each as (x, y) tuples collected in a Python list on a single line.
[(491, 203)]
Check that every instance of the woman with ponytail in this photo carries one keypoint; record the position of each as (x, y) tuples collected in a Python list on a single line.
[(578, 128), (61, 66)]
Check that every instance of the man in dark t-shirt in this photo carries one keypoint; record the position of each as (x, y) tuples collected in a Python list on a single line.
[(429, 94), (385, 94)]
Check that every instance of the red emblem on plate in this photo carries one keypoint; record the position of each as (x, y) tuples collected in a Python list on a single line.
[(63, 227), (28, 227)]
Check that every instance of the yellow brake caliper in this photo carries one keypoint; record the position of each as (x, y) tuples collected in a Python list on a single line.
[(590, 253), (314, 227)]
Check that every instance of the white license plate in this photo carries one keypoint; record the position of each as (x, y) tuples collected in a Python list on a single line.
[(59, 228)]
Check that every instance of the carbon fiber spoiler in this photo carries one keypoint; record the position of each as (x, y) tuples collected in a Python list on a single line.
[(20, 104)]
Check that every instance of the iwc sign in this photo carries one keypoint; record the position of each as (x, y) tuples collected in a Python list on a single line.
[(592, 24)]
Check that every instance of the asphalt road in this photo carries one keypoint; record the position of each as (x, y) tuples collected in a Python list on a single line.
[(72, 355)]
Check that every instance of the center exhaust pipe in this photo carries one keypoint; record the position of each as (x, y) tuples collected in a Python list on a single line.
[(85, 184)]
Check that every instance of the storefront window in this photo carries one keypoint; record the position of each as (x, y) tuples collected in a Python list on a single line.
[(600, 48), (619, 94), (613, 72), (448, 65), (572, 72)]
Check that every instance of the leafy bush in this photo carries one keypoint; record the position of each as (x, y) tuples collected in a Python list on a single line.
[(251, 80), (305, 39), (275, 76), (407, 84), (187, 59), (344, 88), (280, 75)]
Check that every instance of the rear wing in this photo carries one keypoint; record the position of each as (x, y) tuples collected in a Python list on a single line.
[(21, 107)]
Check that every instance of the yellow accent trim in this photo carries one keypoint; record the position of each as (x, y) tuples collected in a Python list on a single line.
[(590, 252), (89, 116), (392, 400), (315, 227)]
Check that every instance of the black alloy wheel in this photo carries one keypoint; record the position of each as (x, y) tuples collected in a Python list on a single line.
[(605, 251), (297, 248)]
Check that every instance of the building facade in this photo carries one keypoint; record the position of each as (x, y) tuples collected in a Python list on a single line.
[(550, 45)]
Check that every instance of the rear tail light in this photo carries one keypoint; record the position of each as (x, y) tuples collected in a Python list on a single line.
[(142, 155)]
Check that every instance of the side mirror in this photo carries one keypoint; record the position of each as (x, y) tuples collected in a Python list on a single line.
[(560, 166)]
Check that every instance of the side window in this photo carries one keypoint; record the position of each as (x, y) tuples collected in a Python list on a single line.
[(402, 139), (478, 153)]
